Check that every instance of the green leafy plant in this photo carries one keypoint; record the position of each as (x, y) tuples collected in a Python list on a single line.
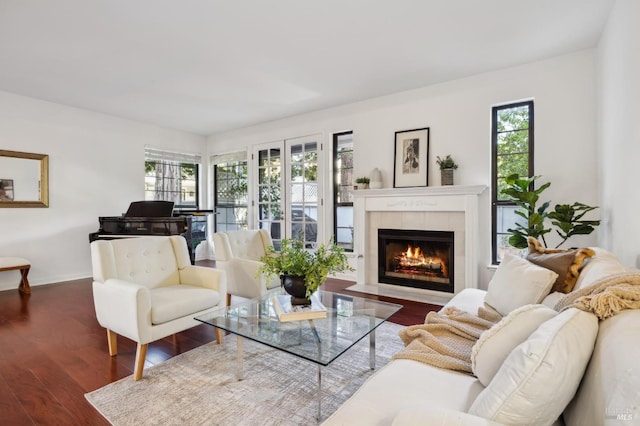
[(446, 163), (362, 180), (567, 218), (518, 191), (294, 259)]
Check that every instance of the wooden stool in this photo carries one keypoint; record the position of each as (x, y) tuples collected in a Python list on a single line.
[(17, 263)]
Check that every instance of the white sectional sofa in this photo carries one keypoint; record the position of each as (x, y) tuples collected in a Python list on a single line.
[(606, 389)]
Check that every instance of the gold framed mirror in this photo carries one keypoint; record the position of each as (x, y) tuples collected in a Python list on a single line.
[(24, 179)]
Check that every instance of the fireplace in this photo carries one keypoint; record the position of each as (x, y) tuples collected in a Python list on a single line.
[(415, 258), (449, 208)]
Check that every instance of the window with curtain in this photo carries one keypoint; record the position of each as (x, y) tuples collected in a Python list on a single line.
[(172, 176), (230, 191)]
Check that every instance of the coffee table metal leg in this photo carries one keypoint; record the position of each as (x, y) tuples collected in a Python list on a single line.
[(372, 349), (319, 393), (239, 359)]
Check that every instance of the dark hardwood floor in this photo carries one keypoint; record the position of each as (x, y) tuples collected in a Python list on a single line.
[(52, 351)]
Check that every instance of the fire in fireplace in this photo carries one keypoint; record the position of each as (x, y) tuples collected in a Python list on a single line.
[(413, 258)]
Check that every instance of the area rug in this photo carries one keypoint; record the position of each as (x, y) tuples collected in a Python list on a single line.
[(199, 387)]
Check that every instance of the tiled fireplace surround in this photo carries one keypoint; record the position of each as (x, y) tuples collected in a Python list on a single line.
[(441, 208)]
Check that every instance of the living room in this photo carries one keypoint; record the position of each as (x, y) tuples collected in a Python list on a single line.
[(584, 130), (586, 104)]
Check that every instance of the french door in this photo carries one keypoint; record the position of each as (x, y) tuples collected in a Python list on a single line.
[(288, 199)]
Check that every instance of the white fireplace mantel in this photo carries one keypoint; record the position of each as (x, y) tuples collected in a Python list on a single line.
[(459, 198)]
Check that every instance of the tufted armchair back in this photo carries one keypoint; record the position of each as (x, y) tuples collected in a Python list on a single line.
[(149, 261), (246, 244), (238, 253)]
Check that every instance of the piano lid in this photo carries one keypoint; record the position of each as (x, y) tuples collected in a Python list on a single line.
[(150, 209)]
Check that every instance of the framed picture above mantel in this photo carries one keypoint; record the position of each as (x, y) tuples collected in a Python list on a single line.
[(411, 159)]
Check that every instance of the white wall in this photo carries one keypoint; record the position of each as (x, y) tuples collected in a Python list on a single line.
[(96, 168), (459, 116), (619, 130), (96, 160)]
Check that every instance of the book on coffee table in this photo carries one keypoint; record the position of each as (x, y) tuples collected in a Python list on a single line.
[(288, 312)]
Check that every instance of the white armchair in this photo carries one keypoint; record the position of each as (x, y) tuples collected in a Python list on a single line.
[(238, 253), (146, 289)]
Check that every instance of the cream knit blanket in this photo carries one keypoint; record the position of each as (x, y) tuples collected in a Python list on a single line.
[(446, 338), (607, 296)]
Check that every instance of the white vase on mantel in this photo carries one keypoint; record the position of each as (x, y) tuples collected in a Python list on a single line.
[(375, 179)]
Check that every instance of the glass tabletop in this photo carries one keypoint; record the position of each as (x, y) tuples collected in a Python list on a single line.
[(349, 319)]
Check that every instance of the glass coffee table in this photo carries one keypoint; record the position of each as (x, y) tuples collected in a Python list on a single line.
[(320, 341)]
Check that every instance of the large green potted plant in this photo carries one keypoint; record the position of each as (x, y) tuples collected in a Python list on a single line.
[(302, 271), (519, 191), (567, 218)]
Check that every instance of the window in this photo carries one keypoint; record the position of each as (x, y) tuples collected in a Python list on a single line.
[(303, 198), (230, 183), (172, 176), (270, 189), (512, 152), (343, 183), (288, 182)]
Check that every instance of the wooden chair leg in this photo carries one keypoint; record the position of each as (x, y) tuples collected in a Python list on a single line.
[(24, 283), (112, 340), (219, 335), (141, 355)]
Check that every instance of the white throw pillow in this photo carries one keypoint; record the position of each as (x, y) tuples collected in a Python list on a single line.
[(495, 344), (518, 282), (541, 376)]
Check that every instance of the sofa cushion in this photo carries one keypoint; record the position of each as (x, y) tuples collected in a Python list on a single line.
[(518, 282), (176, 301), (610, 387), (540, 376), (420, 416), (404, 384), (566, 263), (603, 264), (495, 344), (468, 300)]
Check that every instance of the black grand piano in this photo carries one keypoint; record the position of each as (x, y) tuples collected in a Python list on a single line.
[(150, 218)]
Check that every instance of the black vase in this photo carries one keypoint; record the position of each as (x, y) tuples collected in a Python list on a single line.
[(295, 286)]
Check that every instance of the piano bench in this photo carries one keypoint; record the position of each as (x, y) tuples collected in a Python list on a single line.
[(17, 263)]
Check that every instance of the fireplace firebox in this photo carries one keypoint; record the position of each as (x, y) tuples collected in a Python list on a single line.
[(415, 258)]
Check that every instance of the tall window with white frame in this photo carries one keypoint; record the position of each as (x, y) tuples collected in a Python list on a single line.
[(172, 176), (512, 152), (230, 191), (342, 184)]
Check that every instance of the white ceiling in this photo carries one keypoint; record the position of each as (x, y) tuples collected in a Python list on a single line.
[(207, 66)]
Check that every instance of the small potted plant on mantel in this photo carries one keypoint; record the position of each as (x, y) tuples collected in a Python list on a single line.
[(362, 183), (447, 166), (303, 271)]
